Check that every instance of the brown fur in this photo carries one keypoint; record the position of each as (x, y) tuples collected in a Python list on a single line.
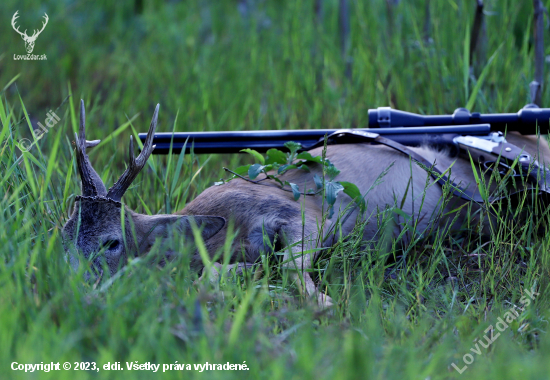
[(254, 207)]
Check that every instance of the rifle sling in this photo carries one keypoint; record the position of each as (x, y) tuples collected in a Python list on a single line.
[(437, 175)]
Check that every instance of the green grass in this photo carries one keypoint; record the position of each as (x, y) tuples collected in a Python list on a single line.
[(211, 68)]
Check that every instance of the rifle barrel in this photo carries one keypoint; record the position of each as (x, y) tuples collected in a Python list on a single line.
[(234, 142)]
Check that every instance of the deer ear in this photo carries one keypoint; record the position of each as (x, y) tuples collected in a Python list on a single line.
[(161, 225)]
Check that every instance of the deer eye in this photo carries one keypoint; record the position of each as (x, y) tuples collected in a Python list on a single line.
[(110, 245)]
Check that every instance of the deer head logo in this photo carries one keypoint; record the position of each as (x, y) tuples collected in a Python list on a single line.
[(29, 41)]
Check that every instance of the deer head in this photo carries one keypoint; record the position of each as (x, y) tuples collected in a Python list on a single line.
[(29, 41), (104, 232)]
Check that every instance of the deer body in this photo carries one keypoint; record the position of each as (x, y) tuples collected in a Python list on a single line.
[(264, 211), (259, 210), (254, 207)]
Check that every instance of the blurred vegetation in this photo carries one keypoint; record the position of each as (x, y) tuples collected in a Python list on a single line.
[(242, 65), (227, 65)]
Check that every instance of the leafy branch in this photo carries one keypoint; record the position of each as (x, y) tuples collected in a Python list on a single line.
[(276, 163)]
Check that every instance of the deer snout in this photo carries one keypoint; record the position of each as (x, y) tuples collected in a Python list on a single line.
[(106, 254), (94, 269)]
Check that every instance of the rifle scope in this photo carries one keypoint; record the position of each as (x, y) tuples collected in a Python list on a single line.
[(525, 121)]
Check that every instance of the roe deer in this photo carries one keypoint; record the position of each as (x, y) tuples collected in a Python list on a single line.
[(260, 210)]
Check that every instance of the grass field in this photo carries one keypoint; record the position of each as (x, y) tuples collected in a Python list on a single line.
[(229, 65)]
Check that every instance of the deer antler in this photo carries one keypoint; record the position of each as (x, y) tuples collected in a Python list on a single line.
[(35, 34), (92, 185), (135, 164), (15, 16), (24, 34)]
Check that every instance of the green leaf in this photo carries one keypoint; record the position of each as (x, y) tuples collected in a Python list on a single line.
[(331, 191), (453, 212), (292, 146), (255, 154), (332, 172), (255, 170), (284, 168), (402, 214), (275, 156), (478, 182), (354, 193), (304, 167), (318, 181), (330, 212), (295, 191), (242, 170), (308, 157)]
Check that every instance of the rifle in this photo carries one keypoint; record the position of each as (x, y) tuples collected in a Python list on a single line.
[(403, 127)]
